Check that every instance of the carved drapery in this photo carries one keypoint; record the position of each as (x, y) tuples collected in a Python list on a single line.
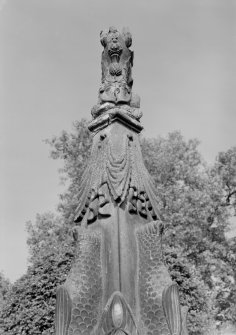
[(116, 176)]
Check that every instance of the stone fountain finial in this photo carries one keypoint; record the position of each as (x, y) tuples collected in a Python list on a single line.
[(117, 82), (118, 284)]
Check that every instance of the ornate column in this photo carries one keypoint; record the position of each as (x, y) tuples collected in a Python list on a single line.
[(118, 283)]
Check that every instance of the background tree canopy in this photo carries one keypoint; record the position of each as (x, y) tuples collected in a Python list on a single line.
[(197, 202)]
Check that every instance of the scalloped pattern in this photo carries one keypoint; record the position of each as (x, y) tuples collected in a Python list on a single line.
[(85, 280), (153, 278)]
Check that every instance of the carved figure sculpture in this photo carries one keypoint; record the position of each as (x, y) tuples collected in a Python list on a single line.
[(117, 82), (119, 283)]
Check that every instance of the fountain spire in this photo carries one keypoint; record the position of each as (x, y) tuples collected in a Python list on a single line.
[(119, 283)]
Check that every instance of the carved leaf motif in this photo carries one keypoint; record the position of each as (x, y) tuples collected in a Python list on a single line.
[(63, 311), (153, 277), (171, 306)]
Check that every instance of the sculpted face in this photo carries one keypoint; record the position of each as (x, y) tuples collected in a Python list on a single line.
[(114, 46), (115, 43)]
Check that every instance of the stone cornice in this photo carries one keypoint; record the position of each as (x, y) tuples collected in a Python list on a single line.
[(115, 115)]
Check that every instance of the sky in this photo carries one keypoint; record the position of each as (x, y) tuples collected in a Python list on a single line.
[(184, 70)]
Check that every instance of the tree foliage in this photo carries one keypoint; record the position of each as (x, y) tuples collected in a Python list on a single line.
[(74, 150), (29, 308), (195, 208), (196, 202), (226, 168), (30, 305), (5, 286)]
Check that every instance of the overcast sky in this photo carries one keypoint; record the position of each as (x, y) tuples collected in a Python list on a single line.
[(184, 71)]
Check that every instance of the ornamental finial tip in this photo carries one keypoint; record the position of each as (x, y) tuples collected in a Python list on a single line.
[(116, 84)]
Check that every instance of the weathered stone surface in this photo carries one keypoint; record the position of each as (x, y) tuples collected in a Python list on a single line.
[(117, 82), (83, 286), (117, 317), (116, 172), (153, 279), (119, 283)]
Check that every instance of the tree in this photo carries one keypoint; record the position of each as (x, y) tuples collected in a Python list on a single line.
[(48, 236), (193, 291), (226, 168), (4, 288), (193, 202), (74, 150), (30, 304)]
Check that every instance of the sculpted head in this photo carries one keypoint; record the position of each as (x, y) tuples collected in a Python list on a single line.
[(116, 84), (117, 61), (115, 43)]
